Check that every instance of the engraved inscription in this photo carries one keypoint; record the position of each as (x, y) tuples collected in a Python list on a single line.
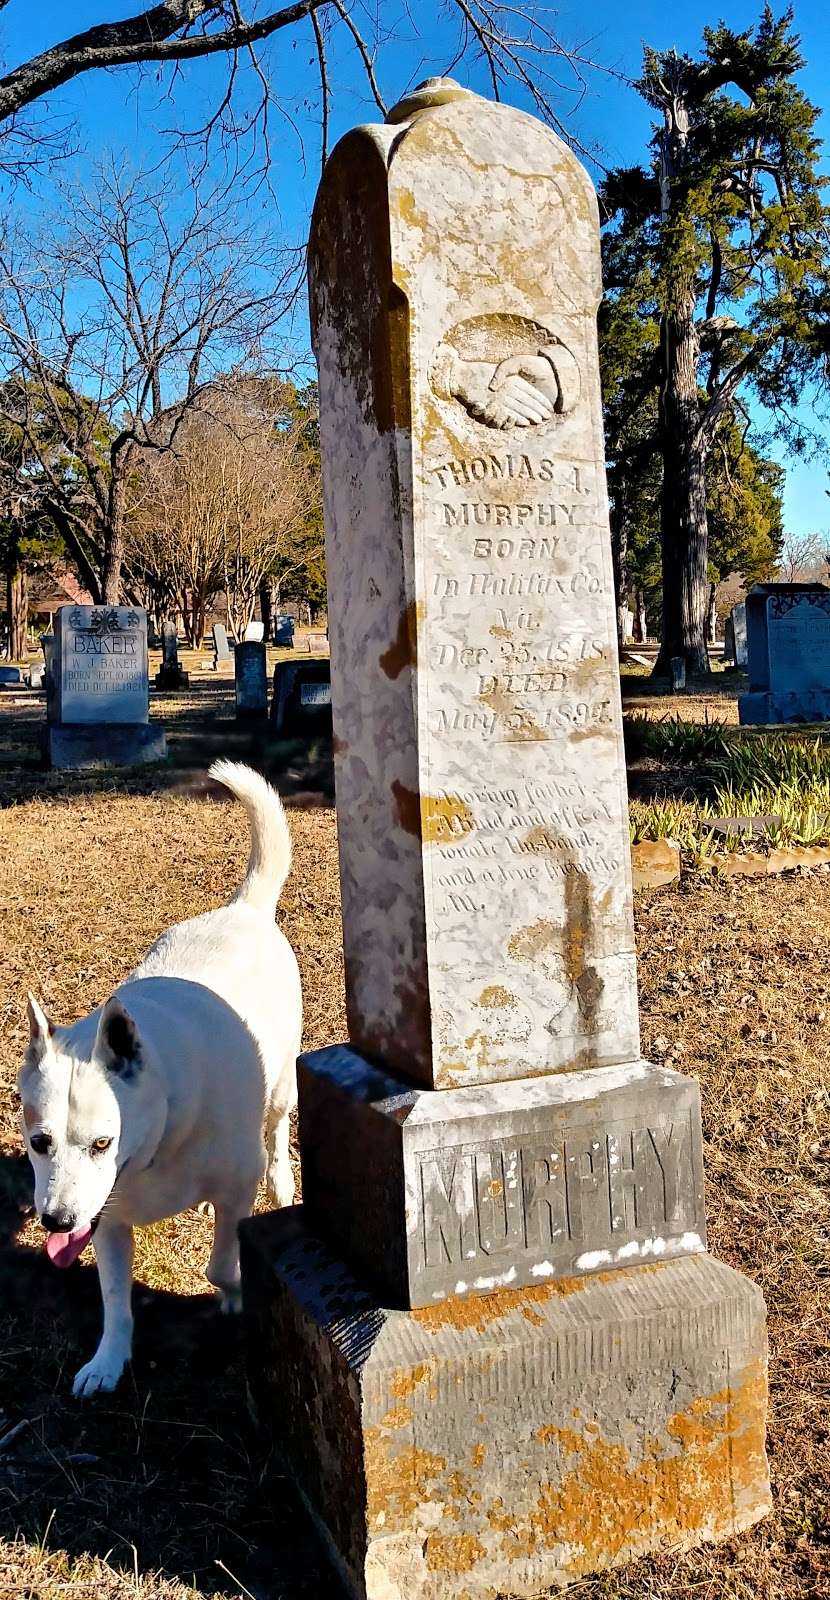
[(590, 1189)]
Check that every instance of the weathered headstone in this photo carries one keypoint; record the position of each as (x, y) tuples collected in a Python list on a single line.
[(788, 649), (739, 645), (98, 689), (254, 632), (170, 675), (251, 677), (284, 632), (221, 649), (301, 705), (491, 1129)]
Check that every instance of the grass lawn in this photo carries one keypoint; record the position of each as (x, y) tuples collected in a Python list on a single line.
[(163, 1491)]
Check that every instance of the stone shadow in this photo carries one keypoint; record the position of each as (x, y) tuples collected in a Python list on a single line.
[(165, 1476)]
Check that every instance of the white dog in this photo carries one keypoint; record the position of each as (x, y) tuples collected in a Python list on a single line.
[(159, 1099)]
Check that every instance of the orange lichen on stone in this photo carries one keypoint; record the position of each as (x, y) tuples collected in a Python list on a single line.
[(398, 1417), (453, 1552), (398, 1482), (610, 1504), (530, 942), (444, 817), (481, 1310), (495, 995), (478, 1455), (405, 1382)]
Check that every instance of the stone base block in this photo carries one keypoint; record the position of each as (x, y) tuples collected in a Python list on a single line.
[(104, 744), (507, 1444), (431, 1193), (762, 708), (168, 679)]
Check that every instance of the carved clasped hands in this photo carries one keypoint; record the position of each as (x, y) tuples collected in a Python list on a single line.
[(523, 391)]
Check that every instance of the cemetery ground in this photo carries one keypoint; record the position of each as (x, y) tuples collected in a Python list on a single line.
[(162, 1491)]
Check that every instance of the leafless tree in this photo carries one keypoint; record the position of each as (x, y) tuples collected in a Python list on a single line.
[(804, 558), (222, 509), (116, 321), (516, 42)]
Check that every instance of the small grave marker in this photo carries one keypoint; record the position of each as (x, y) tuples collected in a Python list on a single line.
[(251, 675)]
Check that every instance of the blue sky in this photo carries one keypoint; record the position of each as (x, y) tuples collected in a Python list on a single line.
[(127, 112)]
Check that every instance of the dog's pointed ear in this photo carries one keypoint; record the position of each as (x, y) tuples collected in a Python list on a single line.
[(41, 1032), (117, 1044)]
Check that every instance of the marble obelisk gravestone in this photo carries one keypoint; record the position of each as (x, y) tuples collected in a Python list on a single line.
[(491, 1125)]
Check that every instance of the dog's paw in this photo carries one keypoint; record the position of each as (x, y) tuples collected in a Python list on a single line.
[(230, 1302), (100, 1375)]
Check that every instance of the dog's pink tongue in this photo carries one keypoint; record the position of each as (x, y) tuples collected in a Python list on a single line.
[(64, 1248)]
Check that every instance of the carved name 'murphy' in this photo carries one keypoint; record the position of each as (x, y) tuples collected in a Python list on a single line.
[(551, 1193)]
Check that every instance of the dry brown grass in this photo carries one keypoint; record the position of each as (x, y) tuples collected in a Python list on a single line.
[(158, 1493)]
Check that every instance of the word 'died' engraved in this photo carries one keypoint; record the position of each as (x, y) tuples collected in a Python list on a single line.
[(506, 371), (583, 1188)]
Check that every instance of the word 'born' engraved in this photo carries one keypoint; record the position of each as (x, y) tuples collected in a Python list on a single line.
[(603, 1190)]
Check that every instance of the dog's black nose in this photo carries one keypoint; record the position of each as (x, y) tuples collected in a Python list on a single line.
[(58, 1221)]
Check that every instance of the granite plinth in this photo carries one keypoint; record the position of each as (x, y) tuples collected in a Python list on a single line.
[(512, 1443), (108, 745), (764, 707), (433, 1193), (169, 678)]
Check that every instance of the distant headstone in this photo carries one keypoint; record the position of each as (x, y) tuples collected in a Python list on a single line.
[(284, 632), (255, 632), (678, 674), (301, 705), (9, 676), (36, 675), (628, 623), (221, 649), (734, 637), (251, 675), (316, 642), (98, 689), (788, 650), (170, 674)]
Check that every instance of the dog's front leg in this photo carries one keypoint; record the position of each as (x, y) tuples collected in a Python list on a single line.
[(114, 1253)]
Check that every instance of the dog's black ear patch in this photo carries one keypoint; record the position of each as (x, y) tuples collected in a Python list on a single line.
[(118, 1044)]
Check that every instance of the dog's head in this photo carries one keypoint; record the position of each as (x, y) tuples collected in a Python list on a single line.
[(82, 1118)]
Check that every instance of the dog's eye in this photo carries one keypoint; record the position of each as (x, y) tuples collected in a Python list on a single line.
[(100, 1145), (41, 1144)]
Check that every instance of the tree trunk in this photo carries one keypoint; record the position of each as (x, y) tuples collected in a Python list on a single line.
[(619, 558), (267, 605), (640, 628), (712, 616), (17, 605), (683, 526), (114, 536)]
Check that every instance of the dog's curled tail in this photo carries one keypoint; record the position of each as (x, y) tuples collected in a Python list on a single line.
[(270, 858)]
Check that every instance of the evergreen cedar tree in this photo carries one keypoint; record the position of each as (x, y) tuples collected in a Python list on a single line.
[(716, 262)]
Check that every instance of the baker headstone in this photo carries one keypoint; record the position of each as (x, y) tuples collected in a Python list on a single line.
[(491, 1128), (221, 649), (788, 650), (98, 690), (254, 632), (170, 675), (251, 677), (301, 703)]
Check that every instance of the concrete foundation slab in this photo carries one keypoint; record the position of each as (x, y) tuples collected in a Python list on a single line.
[(444, 1192), (110, 744), (513, 1442)]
